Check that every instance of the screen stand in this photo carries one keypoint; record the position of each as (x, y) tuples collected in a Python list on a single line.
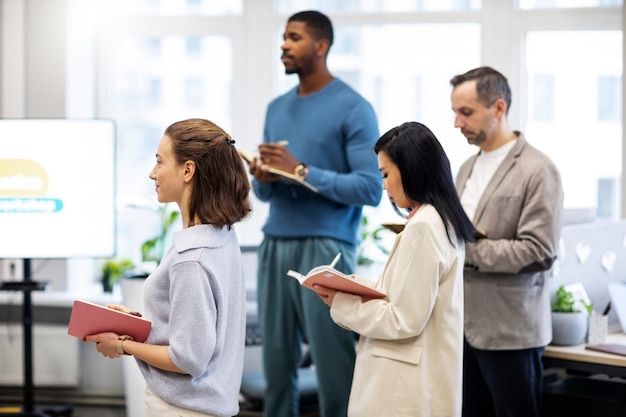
[(27, 286)]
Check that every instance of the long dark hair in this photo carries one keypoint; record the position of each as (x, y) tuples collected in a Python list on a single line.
[(426, 174)]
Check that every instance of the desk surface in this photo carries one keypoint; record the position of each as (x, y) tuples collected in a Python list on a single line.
[(50, 298), (578, 354)]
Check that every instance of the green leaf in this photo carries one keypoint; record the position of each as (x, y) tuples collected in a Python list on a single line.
[(113, 269), (566, 303)]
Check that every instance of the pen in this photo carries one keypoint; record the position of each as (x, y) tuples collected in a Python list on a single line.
[(134, 313), (283, 142), (334, 262), (607, 309)]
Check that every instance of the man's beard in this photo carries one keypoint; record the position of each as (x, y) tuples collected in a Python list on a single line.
[(477, 139)]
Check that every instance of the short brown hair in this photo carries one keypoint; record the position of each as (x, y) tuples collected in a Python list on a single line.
[(490, 85), (221, 186)]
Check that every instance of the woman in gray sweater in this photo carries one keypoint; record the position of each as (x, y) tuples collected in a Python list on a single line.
[(193, 358)]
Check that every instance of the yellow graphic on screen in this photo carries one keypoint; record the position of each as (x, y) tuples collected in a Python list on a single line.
[(23, 188), (22, 177)]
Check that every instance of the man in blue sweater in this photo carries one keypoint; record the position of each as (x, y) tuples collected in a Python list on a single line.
[(323, 132)]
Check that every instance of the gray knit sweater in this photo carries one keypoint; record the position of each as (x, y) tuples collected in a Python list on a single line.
[(196, 301)]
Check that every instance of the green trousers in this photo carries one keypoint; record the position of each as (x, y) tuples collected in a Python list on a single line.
[(290, 314)]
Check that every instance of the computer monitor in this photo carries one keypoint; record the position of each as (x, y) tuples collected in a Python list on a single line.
[(57, 188)]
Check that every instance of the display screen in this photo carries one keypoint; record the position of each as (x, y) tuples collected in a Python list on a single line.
[(57, 188)]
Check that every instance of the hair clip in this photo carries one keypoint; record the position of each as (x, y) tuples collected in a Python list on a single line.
[(230, 141)]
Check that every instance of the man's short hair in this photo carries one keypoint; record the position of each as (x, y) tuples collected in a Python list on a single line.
[(490, 85), (318, 24)]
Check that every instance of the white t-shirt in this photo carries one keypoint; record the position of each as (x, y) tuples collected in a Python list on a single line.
[(485, 166)]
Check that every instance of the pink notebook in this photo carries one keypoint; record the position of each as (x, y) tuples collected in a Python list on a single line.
[(89, 318)]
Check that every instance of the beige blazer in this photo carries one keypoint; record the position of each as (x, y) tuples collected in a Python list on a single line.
[(507, 294), (409, 355)]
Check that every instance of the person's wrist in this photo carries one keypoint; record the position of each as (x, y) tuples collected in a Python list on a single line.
[(301, 171), (120, 341)]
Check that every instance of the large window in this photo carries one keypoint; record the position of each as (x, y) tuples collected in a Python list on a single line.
[(573, 112), (156, 81), (156, 62)]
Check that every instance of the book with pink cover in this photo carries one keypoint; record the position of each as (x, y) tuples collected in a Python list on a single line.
[(89, 318), (328, 276)]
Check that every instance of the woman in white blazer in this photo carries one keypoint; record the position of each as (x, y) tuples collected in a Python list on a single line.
[(410, 351)]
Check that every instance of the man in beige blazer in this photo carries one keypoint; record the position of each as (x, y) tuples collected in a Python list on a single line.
[(513, 194)]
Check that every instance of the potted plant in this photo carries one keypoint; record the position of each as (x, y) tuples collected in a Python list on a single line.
[(570, 318), (113, 269), (372, 242), (152, 250)]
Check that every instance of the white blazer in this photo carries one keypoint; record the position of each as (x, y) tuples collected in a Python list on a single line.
[(410, 353)]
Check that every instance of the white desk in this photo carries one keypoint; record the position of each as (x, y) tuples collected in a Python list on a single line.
[(581, 359)]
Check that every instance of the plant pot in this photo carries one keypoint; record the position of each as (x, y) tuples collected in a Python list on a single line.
[(107, 286), (569, 329)]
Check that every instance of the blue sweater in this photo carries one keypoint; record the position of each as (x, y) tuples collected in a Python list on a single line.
[(196, 301), (333, 132)]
